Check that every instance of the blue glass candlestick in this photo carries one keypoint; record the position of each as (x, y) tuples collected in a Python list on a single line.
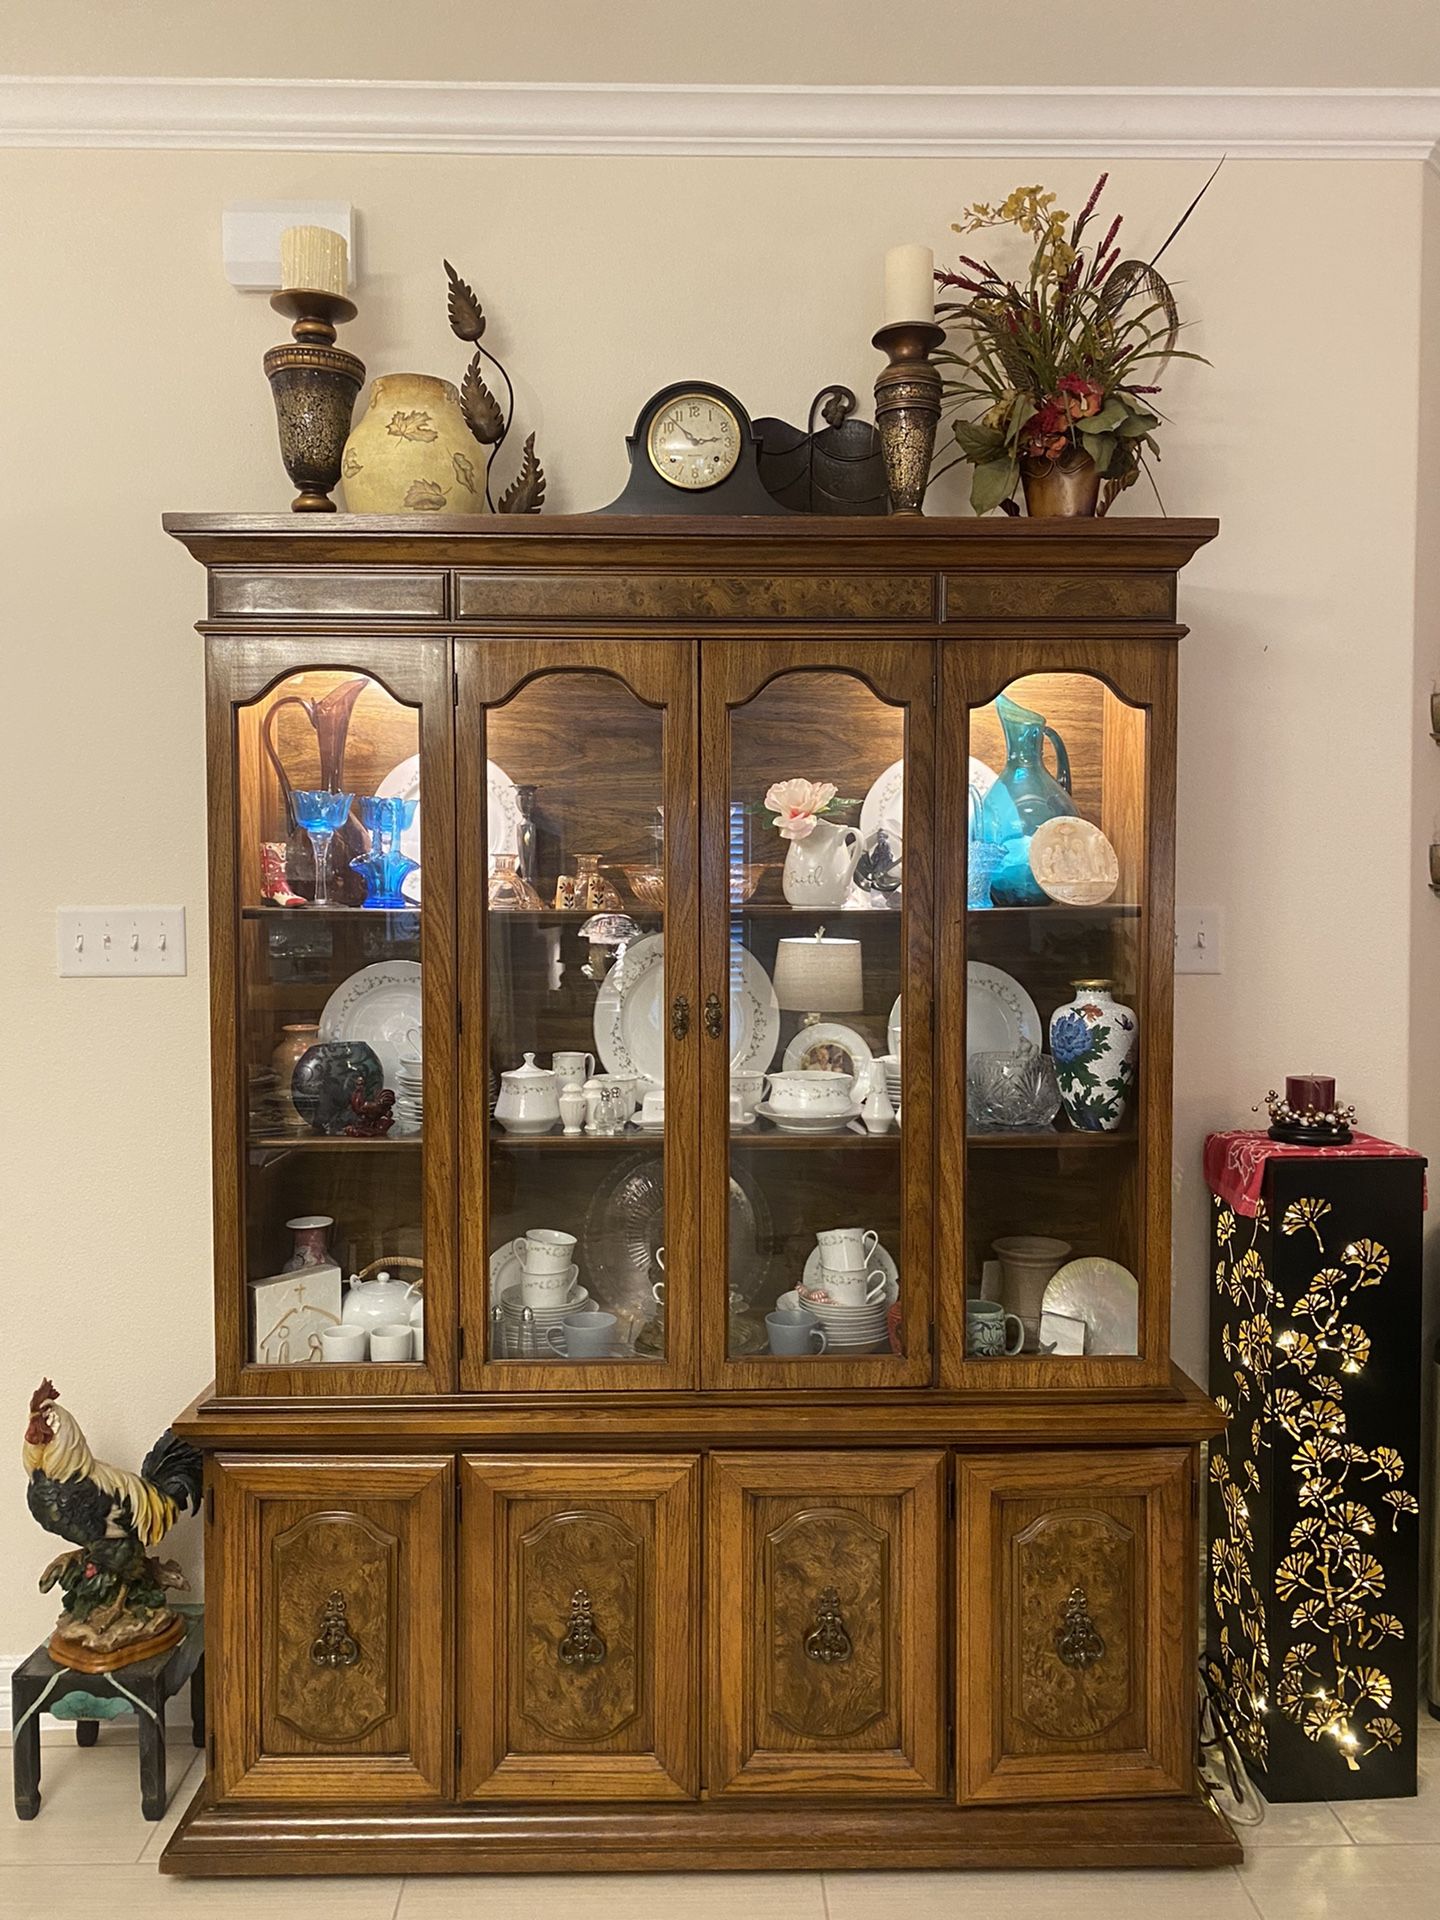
[(385, 868), (320, 812)]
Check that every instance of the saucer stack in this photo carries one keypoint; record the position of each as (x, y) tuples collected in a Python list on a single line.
[(852, 1328), (891, 1064), (522, 1339), (409, 1096)]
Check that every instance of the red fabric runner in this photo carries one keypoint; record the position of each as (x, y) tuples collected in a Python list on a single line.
[(1235, 1162)]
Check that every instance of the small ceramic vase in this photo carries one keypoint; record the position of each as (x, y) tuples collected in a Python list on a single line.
[(572, 1110), (312, 1241), (412, 452), (325, 1077), (1028, 1263), (1093, 1040), (294, 1041)]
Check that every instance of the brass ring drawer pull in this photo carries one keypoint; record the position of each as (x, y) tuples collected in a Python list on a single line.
[(827, 1641), (335, 1646), (1077, 1638), (582, 1645)]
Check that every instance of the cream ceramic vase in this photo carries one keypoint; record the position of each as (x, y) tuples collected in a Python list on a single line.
[(412, 451)]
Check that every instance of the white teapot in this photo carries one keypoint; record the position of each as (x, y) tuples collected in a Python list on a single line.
[(529, 1098), (380, 1302)]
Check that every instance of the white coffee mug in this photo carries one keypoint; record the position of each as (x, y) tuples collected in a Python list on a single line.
[(853, 1286), (847, 1246), (392, 1343), (544, 1250), (748, 1089), (572, 1069), (343, 1344), (583, 1336)]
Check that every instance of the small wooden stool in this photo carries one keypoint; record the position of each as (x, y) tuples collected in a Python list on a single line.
[(42, 1683)]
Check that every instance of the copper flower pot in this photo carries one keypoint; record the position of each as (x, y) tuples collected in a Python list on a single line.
[(1067, 488)]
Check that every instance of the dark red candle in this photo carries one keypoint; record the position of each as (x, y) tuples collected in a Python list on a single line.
[(1304, 1090)]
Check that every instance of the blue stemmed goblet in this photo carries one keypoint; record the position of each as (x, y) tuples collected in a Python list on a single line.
[(385, 868), (320, 812)]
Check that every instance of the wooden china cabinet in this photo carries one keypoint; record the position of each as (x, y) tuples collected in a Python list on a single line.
[(686, 1603)]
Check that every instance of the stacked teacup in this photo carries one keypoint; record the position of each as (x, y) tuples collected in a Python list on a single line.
[(849, 1291), (547, 1291)]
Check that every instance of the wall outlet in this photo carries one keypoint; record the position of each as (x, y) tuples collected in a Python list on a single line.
[(1198, 933), (119, 943)]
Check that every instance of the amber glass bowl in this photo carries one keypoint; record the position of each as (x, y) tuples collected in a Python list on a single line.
[(744, 879), (647, 884)]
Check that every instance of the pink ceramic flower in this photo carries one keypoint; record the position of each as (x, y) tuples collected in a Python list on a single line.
[(796, 803)]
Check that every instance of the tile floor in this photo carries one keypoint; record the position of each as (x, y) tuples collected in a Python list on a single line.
[(90, 1854)]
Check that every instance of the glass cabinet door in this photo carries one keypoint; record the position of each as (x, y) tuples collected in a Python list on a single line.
[(577, 958), (332, 1110), (1058, 1051), (817, 835)]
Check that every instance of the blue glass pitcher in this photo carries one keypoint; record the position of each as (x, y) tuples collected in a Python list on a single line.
[(1025, 796)]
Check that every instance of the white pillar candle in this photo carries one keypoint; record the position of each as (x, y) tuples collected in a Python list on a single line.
[(909, 284), (313, 259)]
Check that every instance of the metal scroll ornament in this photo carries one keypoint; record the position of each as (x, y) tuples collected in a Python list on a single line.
[(827, 1641), (583, 1645), (714, 1016), (336, 1645), (1077, 1639)]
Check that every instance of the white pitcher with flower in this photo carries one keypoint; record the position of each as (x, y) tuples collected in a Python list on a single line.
[(820, 866)]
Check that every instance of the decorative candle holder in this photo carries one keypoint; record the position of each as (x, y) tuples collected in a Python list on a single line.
[(315, 384), (907, 409)]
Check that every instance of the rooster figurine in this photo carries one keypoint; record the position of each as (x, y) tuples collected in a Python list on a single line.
[(115, 1610)]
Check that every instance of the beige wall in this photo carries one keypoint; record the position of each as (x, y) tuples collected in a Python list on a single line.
[(1233, 43), (133, 385)]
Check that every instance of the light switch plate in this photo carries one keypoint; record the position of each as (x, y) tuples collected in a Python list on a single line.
[(1198, 934), (120, 943), (250, 233)]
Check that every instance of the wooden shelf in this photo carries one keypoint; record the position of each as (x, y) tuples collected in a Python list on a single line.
[(1054, 910), (1050, 1139), (810, 1142), (654, 918), (328, 1142), (782, 910), (311, 912)]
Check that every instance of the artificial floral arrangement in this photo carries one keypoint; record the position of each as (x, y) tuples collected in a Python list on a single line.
[(1063, 364), (484, 415), (798, 804)]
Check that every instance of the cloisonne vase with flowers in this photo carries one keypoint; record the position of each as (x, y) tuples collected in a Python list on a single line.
[(1092, 1042)]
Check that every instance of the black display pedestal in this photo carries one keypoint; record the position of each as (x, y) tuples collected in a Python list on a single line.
[(1313, 1589)]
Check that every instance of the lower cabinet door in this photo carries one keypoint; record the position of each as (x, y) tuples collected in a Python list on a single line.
[(826, 1622), (328, 1627), (579, 1628), (1077, 1624)]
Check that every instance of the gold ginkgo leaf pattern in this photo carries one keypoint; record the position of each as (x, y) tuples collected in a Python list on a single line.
[(1291, 1372)]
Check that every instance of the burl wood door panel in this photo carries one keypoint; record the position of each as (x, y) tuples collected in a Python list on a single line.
[(1076, 1625), (826, 1606), (331, 1582), (579, 1652)]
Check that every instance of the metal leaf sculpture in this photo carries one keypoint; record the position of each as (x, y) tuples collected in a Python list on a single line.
[(837, 468), (487, 417), (526, 492)]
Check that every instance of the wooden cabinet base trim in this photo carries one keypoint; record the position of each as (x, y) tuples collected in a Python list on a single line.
[(708, 1837)]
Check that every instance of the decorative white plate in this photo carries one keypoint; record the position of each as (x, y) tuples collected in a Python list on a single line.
[(884, 804), (1073, 861), (381, 1006), (503, 821), (754, 1014), (808, 1122), (999, 1013), (1106, 1296), (630, 1014), (892, 1026), (880, 1259), (828, 1047)]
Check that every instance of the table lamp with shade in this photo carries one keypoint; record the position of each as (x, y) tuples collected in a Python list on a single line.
[(818, 976)]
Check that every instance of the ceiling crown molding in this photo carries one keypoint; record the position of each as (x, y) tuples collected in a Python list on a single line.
[(516, 117)]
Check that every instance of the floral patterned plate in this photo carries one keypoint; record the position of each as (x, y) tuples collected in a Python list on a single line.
[(1000, 1016)]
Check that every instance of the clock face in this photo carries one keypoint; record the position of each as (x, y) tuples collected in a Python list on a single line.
[(694, 441)]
